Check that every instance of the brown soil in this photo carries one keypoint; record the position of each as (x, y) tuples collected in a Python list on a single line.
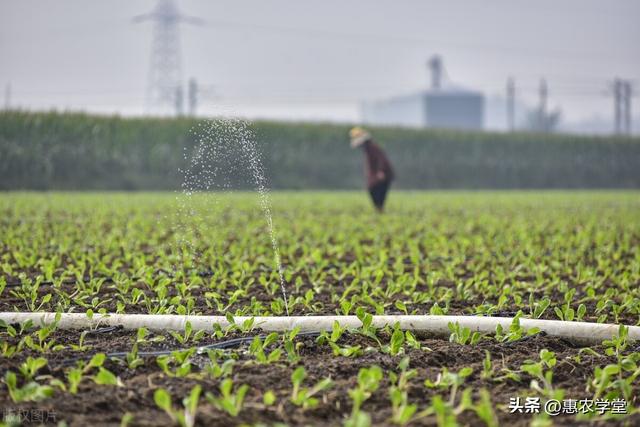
[(324, 301), (106, 405)]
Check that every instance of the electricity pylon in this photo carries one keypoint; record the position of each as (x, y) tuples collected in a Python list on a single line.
[(164, 85)]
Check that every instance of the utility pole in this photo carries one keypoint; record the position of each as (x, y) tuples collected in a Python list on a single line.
[(165, 68), (511, 104), (543, 93), (617, 106), (192, 96), (626, 89)]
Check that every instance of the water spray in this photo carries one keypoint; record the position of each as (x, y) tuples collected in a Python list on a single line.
[(217, 142)]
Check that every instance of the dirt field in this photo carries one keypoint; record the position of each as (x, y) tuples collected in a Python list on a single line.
[(535, 255)]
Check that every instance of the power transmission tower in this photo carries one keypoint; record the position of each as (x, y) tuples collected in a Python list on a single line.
[(511, 104), (165, 68)]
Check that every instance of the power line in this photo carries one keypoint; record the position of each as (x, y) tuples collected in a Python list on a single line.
[(319, 93), (407, 40)]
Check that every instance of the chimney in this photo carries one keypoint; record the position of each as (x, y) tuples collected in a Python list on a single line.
[(435, 64)]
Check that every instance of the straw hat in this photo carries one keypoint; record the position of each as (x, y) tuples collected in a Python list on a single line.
[(358, 136)]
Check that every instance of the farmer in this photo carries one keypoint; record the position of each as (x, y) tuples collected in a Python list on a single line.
[(378, 169)]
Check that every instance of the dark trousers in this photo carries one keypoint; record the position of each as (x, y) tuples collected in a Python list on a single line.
[(379, 193)]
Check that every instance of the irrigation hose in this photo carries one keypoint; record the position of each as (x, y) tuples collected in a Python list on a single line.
[(575, 332), (222, 345)]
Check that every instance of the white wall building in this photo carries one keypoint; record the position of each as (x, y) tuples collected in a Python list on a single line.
[(439, 107)]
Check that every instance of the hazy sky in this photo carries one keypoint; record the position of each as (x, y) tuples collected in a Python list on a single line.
[(300, 59)]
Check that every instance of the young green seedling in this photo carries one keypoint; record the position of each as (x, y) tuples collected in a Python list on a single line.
[(450, 380), (186, 336), (539, 374), (257, 349), (368, 382), (462, 335), (229, 401), (402, 412), (302, 396), (179, 359), (185, 417), (31, 391), (396, 342)]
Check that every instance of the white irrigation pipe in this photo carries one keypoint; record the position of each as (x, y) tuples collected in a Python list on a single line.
[(579, 332)]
